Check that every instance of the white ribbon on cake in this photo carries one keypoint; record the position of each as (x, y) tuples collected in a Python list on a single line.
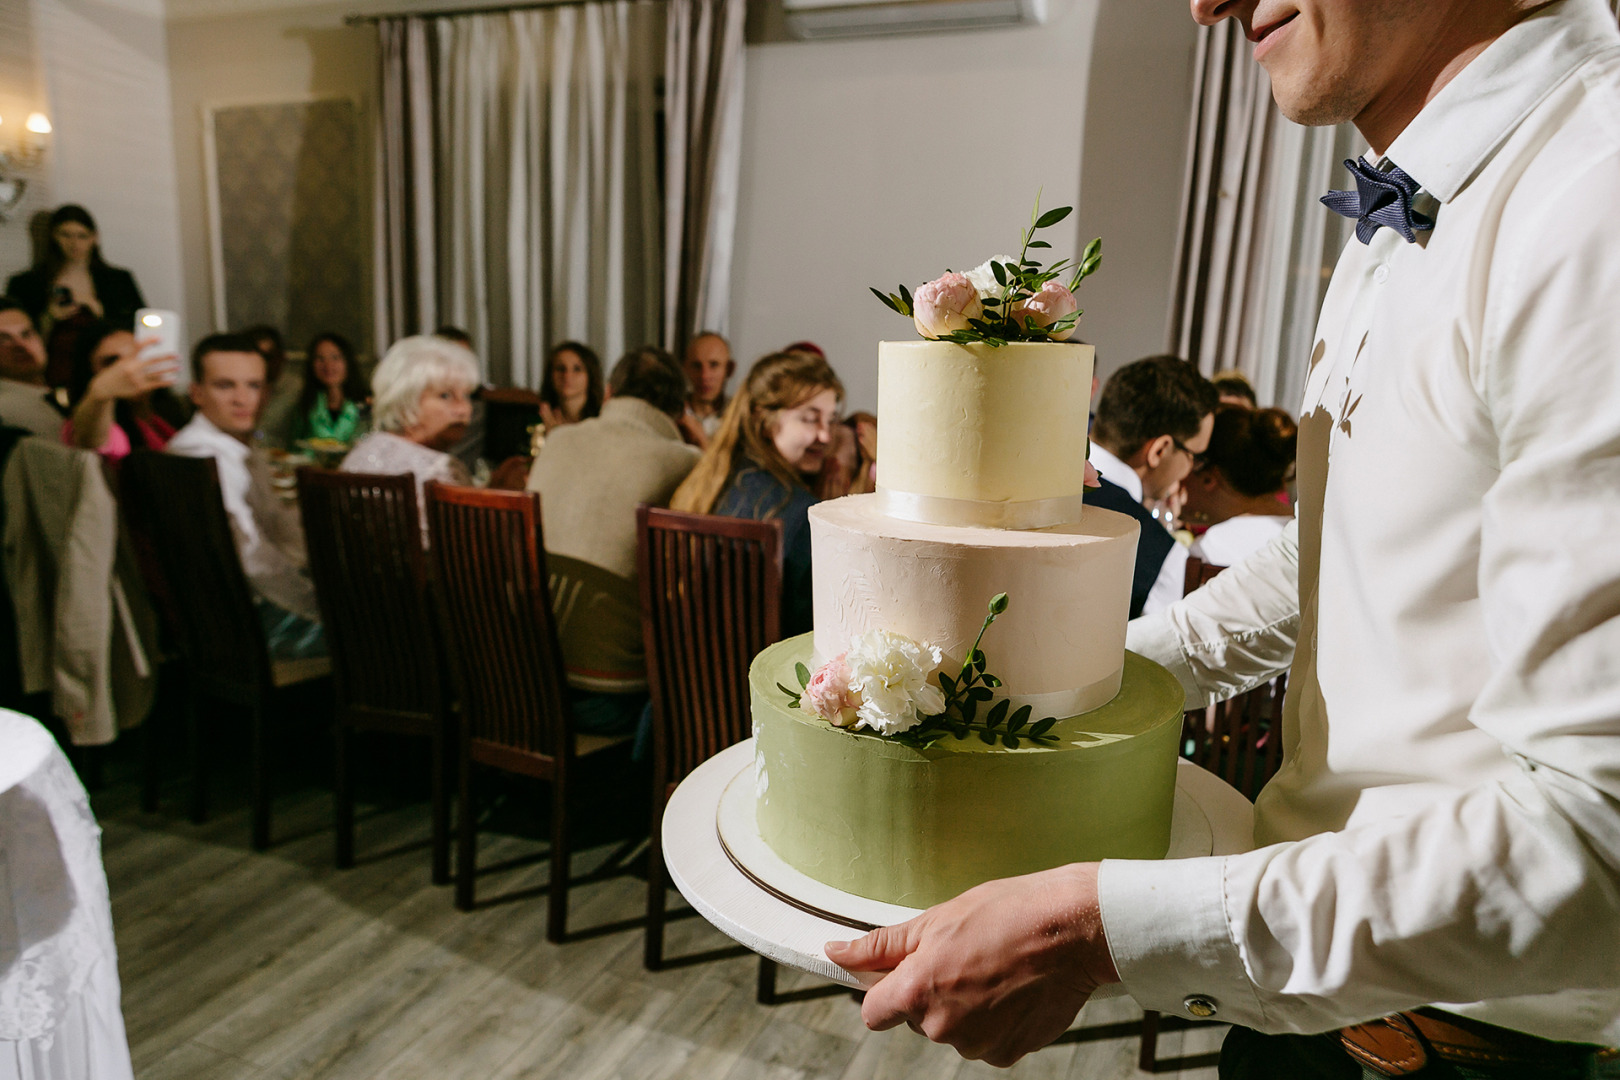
[(1065, 703), (984, 513)]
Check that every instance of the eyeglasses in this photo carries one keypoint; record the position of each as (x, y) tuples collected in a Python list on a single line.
[(1197, 458)]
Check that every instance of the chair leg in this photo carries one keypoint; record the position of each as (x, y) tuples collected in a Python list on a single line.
[(1149, 1054), (557, 893), (441, 806), (466, 835), (197, 737), (657, 896), (342, 795), (151, 765), (765, 991), (259, 783)]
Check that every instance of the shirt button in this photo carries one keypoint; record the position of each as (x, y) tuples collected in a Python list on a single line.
[(1199, 1006), (1381, 275)]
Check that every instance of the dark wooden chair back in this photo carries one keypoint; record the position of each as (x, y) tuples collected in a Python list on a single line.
[(1240, 739), (496, 611), (711, 599), (1198, 573), (509, 412), (365, 554), (175, 505)]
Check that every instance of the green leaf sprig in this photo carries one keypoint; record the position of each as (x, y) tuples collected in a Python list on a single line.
[(1019, 280)]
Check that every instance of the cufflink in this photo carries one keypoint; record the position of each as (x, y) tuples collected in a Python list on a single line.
[(1199, 1006)]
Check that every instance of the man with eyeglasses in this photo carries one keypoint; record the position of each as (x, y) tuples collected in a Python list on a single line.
[(1153, 420)]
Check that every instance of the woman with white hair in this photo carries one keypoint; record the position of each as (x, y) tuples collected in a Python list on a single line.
[(421, 404)]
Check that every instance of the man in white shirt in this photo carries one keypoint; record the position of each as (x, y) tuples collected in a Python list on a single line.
[(24, 397), (1445, 829), (228, 387), (1154, 418)]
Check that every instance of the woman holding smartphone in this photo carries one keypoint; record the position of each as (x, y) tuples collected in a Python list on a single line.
[(119, 392), (72, 287)]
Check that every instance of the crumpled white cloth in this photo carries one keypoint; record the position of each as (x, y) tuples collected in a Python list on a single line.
[(59, 992)]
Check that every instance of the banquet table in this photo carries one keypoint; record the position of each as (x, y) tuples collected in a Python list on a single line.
[(59, 992)]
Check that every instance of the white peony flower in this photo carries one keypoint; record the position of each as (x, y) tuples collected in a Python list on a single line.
[(984, 279), (891, 672)]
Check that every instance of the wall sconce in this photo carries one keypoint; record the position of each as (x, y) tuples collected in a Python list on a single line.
[(27, 153)]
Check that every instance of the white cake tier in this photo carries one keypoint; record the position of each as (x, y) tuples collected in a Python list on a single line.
[(974, 435), (1059, 647)]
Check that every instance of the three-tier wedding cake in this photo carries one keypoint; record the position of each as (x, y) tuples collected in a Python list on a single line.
[(965, 708)]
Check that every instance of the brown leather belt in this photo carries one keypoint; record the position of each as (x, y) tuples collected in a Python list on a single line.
[(1402, 1044)]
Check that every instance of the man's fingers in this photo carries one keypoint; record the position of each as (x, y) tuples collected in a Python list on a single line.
[(895, 1001), (881, 950)]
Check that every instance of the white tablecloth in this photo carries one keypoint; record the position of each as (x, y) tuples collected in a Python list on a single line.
[(59, 1012)]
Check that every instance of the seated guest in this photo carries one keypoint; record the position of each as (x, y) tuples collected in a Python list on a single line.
[(278, 415), (24, 398), (333, 394), (571, 390), (420, 406), (709, 367), (1238, 488), (1153, 421), (850, 467), (112, 389), (764, 457), (591, 476), (469, 449), (1235, 389), (227, 373)]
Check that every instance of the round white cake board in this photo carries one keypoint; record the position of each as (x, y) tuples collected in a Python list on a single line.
[(1210, 818)]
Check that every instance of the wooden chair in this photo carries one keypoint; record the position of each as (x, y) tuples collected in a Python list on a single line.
[(176, 504), (711, 599), (389, 671), (1239, 740), (496, 611)]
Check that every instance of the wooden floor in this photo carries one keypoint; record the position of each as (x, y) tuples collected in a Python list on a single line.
[(246, 966)]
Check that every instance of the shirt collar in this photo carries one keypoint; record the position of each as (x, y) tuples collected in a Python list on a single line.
[(1455, 134), (206, 430), (1115, 471)]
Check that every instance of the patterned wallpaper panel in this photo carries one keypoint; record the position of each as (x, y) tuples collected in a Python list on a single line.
[(292, 220)]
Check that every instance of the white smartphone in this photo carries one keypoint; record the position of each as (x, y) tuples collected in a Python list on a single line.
[(153, 323)]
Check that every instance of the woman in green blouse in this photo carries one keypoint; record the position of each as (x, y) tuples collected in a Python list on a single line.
[(332, 403)]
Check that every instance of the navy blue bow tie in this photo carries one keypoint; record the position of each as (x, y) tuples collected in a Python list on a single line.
[(1380, 198)]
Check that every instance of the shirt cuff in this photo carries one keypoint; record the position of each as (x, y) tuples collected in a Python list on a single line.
[(1154, 637), (1168, 933)]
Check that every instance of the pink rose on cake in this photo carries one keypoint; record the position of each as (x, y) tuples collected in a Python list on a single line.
[(829, 695), (1052, 302), (944, 306), (891, 674)]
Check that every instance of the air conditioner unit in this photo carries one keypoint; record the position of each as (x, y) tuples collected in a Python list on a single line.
[(811, 20)]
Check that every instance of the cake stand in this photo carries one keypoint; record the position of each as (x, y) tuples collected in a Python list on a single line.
[(718, 861)]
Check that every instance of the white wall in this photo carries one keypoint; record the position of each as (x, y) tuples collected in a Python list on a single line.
[(106, 73), (21, 92), (869, 163)]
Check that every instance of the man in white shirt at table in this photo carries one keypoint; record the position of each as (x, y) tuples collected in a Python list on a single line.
[(1445, 831), (228, 388)]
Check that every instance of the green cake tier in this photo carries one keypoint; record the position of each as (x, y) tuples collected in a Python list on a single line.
[(914, 827)]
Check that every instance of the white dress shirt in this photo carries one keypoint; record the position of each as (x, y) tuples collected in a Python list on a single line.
[(1446, 824), (1172, 579), (1229, 542), (269, 536)]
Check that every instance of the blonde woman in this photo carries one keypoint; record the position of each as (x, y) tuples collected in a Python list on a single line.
[(421, 405), (763, 460)]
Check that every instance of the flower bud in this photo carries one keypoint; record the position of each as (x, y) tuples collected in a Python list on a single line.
[(944, 306)]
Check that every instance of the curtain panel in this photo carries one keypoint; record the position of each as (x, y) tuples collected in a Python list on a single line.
[(523, 176), (1255, 247), (703, 61)]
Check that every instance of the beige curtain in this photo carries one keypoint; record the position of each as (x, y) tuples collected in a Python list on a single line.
[(1255, 247), (518, 180), (703, 59)]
